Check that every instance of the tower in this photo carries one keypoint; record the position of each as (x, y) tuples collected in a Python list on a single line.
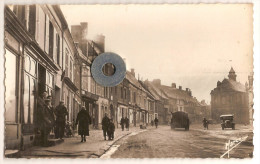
[(232, 74)]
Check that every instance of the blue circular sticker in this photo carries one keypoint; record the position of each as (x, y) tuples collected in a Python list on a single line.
[(100, 77)]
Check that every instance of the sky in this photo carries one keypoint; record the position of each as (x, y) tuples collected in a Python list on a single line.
[(193, 46)]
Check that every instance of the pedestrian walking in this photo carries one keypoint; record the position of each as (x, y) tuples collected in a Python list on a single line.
[(152, 123), (156, 121), (47, 118), (61, 112), (111, 130), (105, 124), (205, 123), (122, 123), (83, 120), (127, 123)]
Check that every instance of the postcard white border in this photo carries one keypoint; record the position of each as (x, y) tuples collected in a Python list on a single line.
[(256, 36)]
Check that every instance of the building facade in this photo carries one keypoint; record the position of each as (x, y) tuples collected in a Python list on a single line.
[(230, 97), (38, 41)]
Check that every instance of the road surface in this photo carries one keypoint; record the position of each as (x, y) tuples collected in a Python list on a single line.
[(195, 143)]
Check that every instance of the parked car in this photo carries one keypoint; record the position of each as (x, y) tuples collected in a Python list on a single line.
[(180, 120), (227, 121)]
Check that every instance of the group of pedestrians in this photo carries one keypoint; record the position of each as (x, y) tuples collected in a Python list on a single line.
[(49, 118), (108, 128), (124, 122)]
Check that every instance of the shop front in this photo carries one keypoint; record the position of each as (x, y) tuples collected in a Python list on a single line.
[(90, 102)]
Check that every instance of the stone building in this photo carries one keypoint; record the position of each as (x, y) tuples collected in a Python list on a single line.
[(38, 41), (230, 97), (96, 98)]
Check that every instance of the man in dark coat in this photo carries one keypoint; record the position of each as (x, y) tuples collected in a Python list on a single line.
[(205, 123), (122, 123), (61, 113), (156, 121), (83, 119), (105, 123), (111, 130), (47, 119), (126, 123), (40, 105)]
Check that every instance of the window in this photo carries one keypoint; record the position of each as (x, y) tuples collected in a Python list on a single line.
[(47, 34), (93, 85), (115, 91), (32, 19), (29, 90), (49, 83), (66, 62), (85, 78), (10, 86), (58, 49), (26, 98), (122, 94), (40, 27), (125, 92), (51, 40), (134, 97), (21, 12), (71, 70)]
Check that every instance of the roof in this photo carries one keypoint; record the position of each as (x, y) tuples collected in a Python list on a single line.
[(231, 70), (132, 80), (156, 90), (175, 93), (236, 86)]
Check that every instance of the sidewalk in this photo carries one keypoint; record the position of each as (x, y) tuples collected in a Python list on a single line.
[(94, 147)]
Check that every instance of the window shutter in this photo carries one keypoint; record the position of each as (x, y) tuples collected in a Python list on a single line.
[(46, 48), (37, 25), (55, 47)]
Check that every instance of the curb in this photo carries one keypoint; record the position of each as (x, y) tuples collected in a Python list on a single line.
[(108, 146), (111, 144)]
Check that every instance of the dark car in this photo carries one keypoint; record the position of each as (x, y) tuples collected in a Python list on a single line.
[(227, 121), (180, 120)]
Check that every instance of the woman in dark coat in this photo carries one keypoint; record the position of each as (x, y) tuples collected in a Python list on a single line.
[(83, 119)]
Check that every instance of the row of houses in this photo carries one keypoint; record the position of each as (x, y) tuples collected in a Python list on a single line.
[(42, 54)]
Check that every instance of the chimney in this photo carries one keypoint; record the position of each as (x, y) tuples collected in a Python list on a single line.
[(180, 87), (218, 83), (157, 82), (100, 41), (84, 30), (133, 72), (187, 89), (173, 85), (76, 33)]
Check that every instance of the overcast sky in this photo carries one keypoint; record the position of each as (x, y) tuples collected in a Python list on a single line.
[(191, 45)]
